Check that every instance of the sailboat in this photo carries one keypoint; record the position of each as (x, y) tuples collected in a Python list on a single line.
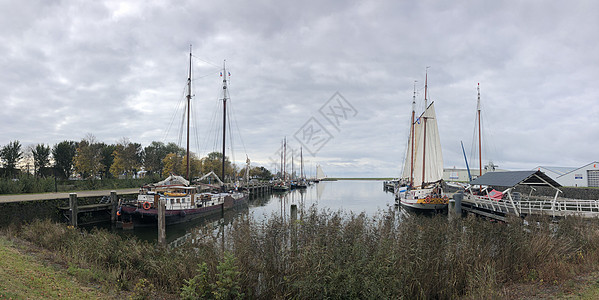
[(184, 202), (319, 174), (422, 175), (301, 183), (281, 185)]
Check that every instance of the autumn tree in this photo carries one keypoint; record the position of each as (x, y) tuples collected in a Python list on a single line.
[(176, 164), (63, 154), (107, 159), (173, 164), (41, 157), (11, 155), (88, 158), (127, 158), (154, 154), (213, 162)]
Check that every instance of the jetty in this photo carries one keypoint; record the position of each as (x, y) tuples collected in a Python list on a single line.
[(499, 195)]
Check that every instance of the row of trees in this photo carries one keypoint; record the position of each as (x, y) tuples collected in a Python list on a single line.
[(91, 159)]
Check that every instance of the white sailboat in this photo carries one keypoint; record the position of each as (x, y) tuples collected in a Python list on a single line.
[(319, 174), (423, 168)]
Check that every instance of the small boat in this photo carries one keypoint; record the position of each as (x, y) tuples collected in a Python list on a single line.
[(422, 176), (280, 187), (184, 202)]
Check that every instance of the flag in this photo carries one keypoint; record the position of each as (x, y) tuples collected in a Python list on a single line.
[(221, 74)]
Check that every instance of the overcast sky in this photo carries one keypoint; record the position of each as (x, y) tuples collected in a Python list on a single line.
[(118, 69)]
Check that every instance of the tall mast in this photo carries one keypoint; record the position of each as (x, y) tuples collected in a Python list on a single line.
[(292, 166), (188, 114), (425, 88), (301, 164), (224, 118), (285, 160), (480, 160), (281, 170), (412, 137), (424, 129)]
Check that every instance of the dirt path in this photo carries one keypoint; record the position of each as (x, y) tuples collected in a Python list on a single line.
[(53, 196)]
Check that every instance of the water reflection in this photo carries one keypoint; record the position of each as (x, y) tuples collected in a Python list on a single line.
[(355, 196)]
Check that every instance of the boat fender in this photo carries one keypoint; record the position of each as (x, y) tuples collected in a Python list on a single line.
[(146, 205), (182, 213)]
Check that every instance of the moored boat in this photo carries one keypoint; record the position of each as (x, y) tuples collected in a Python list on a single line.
[(183, 202), (422, 176)]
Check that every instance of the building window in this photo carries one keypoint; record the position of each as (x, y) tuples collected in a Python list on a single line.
[(593, 178)]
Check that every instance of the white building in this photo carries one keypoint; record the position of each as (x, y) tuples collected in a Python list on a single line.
[(554, 172), (585, 176)]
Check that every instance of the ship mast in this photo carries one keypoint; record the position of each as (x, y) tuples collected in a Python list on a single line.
[(281, 169), (480, 160), (424, 129), (188, 115), (224, 118), (412, 137), (301, 164), (285, 160)]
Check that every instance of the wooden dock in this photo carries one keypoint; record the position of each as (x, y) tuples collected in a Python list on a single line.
[(483, 199), (257, 188)]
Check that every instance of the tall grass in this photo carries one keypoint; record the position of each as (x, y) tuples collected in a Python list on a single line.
[(327, 254)]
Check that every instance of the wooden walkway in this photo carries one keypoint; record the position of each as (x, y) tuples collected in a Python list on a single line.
[(54, 196)]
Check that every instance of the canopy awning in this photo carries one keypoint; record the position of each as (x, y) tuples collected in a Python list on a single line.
[(513, 178)]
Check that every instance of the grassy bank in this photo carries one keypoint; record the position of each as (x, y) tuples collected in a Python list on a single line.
[(22, 276), (335, 255)]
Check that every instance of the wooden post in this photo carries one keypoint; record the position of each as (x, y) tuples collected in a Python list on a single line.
[(293, 212), (74, 208), (161, 220), (113, 206), (294, 226)]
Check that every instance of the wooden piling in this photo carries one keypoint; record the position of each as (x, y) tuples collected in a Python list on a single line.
[(294, 226), (113, 206), (161, 220), (74, 208), (293, 213)]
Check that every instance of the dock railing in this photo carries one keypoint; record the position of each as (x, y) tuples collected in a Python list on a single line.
[(537, 206)]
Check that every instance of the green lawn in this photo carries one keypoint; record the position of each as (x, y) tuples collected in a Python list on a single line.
[(23, 277)]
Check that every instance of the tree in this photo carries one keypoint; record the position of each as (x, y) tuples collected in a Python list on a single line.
[(11, 155), (127, 158), (260, 173), (41, 157), (195, 165), (173, 164), (88, 158), (153, 156), (63, 154), (173, 148), (107, 158), (213, 162)]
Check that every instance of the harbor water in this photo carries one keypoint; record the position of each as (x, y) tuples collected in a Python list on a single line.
[(349, 196)]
